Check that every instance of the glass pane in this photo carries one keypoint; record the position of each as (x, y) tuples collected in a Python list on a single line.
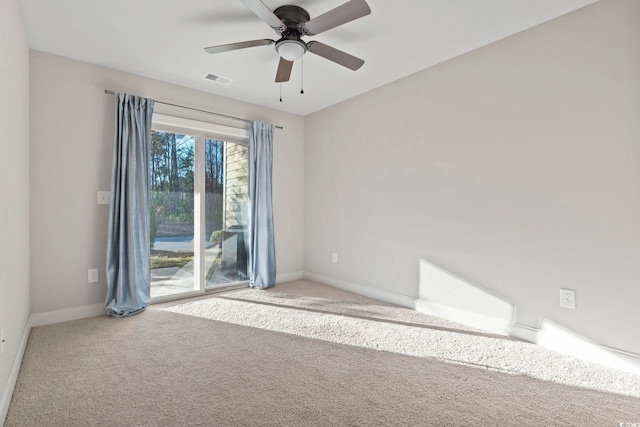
[(226, 171), (171, 213)]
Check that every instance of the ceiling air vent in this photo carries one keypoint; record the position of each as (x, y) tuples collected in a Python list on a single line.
[(218, 79)]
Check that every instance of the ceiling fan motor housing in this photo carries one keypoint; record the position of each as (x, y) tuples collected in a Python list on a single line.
[(290, 46), (293, 17)]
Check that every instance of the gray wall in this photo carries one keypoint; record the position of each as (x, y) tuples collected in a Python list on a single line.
[(14, 183), (516, 166), (72, 124)]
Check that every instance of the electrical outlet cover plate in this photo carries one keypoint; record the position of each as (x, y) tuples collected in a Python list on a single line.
[(93, 275), (567, 298), (104, 197)]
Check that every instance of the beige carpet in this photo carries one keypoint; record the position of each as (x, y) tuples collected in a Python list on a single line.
[(303, 354)]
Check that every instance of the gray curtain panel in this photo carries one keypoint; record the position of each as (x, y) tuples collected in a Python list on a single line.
[(262, 249), (128, 271)]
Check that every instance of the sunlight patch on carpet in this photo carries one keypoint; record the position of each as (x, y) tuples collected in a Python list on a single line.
[(403, 331)]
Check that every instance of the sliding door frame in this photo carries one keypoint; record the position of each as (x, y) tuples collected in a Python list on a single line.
[(201, 131)]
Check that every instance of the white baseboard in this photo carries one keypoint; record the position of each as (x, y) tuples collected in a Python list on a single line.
[(450, 313), (557, 338), (546, 336), (632, 358), (525, 333), (5, 399), (566, 341), (465, 317), (289, 277), (570, 343), (93, 310), (445, 294), (67, 314), (367, 291)]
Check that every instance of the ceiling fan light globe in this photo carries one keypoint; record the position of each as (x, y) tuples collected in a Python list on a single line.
[(291, 50)]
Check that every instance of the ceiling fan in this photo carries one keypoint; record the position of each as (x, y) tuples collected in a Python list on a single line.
[(293, 22)]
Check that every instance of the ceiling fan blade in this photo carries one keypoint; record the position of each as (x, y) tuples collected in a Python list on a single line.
[(335, 55), (348, 12), (284, 71), (235, 46), (265, 14)]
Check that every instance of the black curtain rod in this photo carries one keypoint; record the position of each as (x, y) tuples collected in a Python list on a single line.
[(110, 92)]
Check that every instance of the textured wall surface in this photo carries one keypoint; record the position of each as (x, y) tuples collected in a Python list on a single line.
[(516, 166), (72, 126), (14, 185)]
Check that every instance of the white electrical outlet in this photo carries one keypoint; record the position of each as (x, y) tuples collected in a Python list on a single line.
[(567, 298), (2, 340), (93, 275), (104, 197), (334, 258)]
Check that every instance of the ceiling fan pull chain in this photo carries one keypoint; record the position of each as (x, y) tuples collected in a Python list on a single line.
[(280, 92), (302, 79)]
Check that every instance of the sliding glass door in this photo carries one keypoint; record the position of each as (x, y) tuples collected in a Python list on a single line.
[(198, 211), (226, 212), (171, 216)]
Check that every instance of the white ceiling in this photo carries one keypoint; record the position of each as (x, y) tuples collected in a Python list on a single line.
[(164, 39)]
